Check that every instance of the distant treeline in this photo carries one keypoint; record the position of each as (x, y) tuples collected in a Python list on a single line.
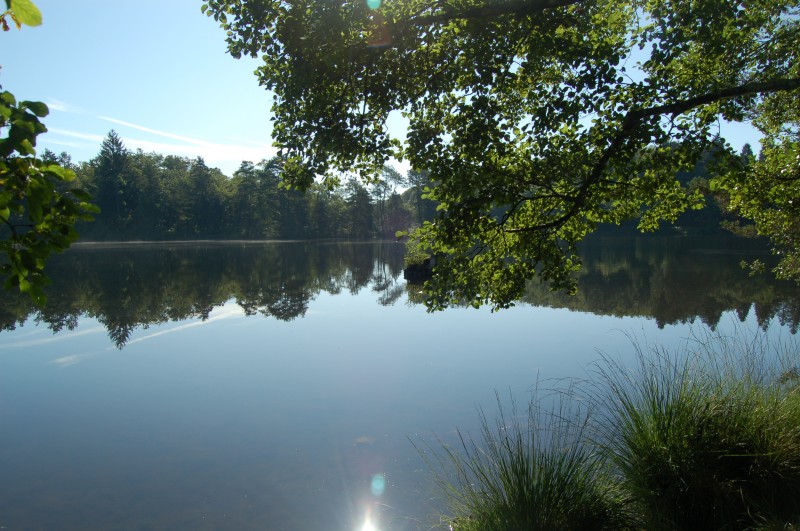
[(148, 196)]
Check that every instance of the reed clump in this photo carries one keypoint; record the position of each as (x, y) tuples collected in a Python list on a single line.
[(704, 438), (530, 472)]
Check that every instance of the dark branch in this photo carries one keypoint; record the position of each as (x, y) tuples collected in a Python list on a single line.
[(635, 116), (748, 89), (490, 11)]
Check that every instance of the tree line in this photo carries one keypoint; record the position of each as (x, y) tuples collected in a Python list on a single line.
[(149, 196)]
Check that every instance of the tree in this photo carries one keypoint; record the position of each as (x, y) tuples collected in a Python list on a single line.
[(767, 190), (207, 192), (382, 187), (116, 193), (398, 217), (538, 120), (38, 210), (253, 210), (360, 211)]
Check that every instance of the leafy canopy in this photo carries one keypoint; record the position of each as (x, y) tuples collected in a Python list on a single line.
[(537, 119)]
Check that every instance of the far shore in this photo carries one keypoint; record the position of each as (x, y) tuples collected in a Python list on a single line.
[(125, 243)]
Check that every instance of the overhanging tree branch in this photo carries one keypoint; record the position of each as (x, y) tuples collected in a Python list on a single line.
[(747, 89), (517, 8), (634, 117)]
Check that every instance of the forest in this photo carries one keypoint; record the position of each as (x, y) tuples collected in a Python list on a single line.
[(150, 196)]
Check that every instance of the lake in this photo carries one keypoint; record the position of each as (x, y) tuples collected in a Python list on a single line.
[(287, 385)]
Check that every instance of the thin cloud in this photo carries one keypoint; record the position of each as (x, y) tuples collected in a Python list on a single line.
[(53, 338), (65, 143), (75, 134), (226, 312), (213, 152), (165, 134), (66, 361), (61, 106), (73, 359)]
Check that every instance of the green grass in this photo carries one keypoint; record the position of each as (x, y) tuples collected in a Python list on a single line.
[(704, 438), (528, 475), (708, 438)]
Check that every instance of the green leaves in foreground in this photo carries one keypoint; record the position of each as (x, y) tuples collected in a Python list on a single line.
[(21, 12), (536, 120), (38, 209)]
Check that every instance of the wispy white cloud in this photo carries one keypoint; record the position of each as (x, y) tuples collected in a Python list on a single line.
[(73, 359), (64, 143), (165, 134), (66, 361), (58, 105), (226, 312), (75, 134), (214, 153), (52, 338)]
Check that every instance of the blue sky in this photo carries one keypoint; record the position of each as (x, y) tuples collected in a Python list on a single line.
[(155, 71)]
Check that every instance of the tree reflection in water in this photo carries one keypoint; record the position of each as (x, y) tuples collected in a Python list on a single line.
[(125, 287)]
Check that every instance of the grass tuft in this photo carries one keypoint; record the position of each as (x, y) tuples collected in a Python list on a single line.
[(707, 437), (531, 474)]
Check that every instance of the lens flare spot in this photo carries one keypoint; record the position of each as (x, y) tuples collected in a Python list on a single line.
[(373, 4), (378, 485)]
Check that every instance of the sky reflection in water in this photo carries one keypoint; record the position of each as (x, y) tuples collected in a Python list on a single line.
[(242, 422)]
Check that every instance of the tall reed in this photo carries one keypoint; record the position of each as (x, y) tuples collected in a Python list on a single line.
[(705, 438), (530, 473)]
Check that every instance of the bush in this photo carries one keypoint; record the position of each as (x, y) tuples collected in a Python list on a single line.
[(416, 254)]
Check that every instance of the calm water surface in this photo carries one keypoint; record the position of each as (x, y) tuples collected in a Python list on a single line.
[(280, 386)]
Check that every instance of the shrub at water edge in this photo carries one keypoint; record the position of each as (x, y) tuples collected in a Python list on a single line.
[(534, 473), (708, 438), (704, 438)]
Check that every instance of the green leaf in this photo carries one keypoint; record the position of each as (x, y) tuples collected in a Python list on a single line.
[(26, 12), (24, 285), (26, 148), (8, 99), (36, 107), (81, 195), (62, 173)]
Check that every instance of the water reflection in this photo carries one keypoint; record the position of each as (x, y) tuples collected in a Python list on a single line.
[(672, 280), (300, 416), (676, 280)]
